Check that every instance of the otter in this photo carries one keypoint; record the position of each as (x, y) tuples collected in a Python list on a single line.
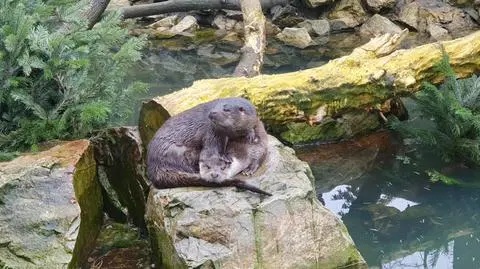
[(174, 151), (246, 156)]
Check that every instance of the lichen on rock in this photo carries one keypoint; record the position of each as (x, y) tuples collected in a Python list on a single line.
[(50, 208)]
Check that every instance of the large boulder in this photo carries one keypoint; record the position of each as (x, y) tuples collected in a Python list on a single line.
[(316, 27), (379, 25), (350, 12), (296, 37), (229, 228), (379, 5), (50, 208), (420, 15)]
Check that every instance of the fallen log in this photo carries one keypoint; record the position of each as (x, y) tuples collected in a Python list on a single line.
[(338, 99), (251, 62), (189, 5)]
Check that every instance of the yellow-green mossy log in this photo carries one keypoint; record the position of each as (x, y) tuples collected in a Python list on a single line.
[(319, 103), (50, 208)]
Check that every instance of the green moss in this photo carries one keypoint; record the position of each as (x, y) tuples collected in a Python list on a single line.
[(89, 197), (302, 132), (205, 35)]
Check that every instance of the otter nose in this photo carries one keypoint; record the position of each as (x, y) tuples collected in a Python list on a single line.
[(214, 175), (212, 115)]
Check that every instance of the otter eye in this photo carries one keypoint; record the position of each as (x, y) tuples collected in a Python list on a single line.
[(241, 109), (226, 109), (223, 168)]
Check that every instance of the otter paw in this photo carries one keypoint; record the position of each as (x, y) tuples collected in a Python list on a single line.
[(250, 170)]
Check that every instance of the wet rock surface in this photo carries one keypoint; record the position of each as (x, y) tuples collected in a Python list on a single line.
[(377, 25), (229, 228), (296, 37), (316, 27), (50, 208)]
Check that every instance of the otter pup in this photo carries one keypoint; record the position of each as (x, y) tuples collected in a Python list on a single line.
[(246, 154), (174, 151)]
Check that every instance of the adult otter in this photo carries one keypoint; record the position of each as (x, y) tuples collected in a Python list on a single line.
[(173, 153)]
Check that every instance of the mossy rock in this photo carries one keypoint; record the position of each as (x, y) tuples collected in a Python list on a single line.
[(51, 208)]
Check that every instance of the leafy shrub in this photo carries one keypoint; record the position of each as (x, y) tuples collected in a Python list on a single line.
[(59, 80), (454, 111)]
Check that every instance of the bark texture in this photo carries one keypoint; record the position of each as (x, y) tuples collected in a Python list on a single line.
[(251, 62), (94, 14), (188, 5)]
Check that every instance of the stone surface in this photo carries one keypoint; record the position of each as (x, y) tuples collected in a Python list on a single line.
[(224, 23), (121, 170), (317, 3), (438, 33), (187, 24), (419, 15), (316, 27), (218, 57), (379, 5), (228, 228), (378, 25), (50, 208), (296, 37), (168, 22), (351, 12)]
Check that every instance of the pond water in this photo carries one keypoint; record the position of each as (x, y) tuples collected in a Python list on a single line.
[(378, 187), (397, 218)]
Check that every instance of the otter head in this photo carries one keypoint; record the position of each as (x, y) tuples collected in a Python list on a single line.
[(234, 117), (214, 169)]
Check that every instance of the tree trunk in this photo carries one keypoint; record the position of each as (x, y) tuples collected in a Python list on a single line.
[(358, 83), (188, 5), (250, 64), (94, 14)]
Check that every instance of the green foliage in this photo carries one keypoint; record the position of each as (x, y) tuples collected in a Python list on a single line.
[(59, 80), (454, 110)]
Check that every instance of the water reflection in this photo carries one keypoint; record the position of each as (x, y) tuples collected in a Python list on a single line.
[(397, 218)]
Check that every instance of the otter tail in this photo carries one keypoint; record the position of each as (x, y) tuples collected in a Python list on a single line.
[(244, 185), (164, 180)]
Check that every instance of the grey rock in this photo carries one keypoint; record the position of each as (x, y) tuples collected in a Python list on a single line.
[(187, 24), (380, 5), (220, 57), (44, 221), (229, 228), (339, 25), (351, 12), (409, 15), (224, 23), (317, 3), (438, 33), (296, 37), (165, 22), (378, 25), (419, 15), (316, 27)]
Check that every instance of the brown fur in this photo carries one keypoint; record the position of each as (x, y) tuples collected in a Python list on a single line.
[(173, 153)]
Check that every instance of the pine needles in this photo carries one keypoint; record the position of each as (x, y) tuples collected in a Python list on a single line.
[(454, 110), (59, 80)]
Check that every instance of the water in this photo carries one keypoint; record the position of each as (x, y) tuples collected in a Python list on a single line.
[(397, 218)]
